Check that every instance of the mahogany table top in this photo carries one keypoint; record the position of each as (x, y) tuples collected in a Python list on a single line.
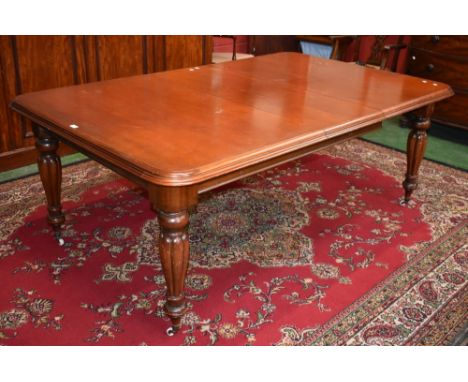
[(190, 125)]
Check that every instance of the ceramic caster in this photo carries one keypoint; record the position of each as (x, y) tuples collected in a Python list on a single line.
[(59, 239), (407, 203), (170, 331)]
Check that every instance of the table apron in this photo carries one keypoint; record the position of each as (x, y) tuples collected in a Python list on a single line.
[(259, 167), (226, 178), (124, 173)]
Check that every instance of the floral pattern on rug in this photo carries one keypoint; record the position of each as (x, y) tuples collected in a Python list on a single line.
[(28, 307), (317, 251), (423, 300), (442, 191), (403, 314), (262, 227)]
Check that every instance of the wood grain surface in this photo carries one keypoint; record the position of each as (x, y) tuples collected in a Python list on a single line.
[(187, 126)]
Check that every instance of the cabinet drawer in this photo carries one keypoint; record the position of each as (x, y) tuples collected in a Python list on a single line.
[(451, 45), (452, 111), (439, 68)]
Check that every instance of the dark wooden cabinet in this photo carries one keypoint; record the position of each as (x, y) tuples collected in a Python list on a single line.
[(32, 63), (260, 45), (444, 59)]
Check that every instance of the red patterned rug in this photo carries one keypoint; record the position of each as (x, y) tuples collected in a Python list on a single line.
[(318, 251)]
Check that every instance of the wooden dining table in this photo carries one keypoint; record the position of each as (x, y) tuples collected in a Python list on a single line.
[(181, 133)]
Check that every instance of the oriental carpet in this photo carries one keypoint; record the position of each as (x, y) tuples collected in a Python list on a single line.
[(315, 252)]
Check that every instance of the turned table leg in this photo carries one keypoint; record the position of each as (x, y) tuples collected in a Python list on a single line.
[(50, 170), (416, 146), (174, 254), (172, 205)]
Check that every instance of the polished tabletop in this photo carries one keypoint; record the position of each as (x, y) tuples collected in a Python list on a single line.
[(186, 126)]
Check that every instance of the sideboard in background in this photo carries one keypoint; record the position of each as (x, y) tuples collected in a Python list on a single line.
[(444, 59)]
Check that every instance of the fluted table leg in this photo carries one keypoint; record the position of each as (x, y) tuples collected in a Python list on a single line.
[(174, 254), (172, 205)]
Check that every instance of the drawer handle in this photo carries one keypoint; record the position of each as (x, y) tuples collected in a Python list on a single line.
[(435, 39), (430, 68)]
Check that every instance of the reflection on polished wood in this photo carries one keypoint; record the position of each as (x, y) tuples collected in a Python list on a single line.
[(183, 132)]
